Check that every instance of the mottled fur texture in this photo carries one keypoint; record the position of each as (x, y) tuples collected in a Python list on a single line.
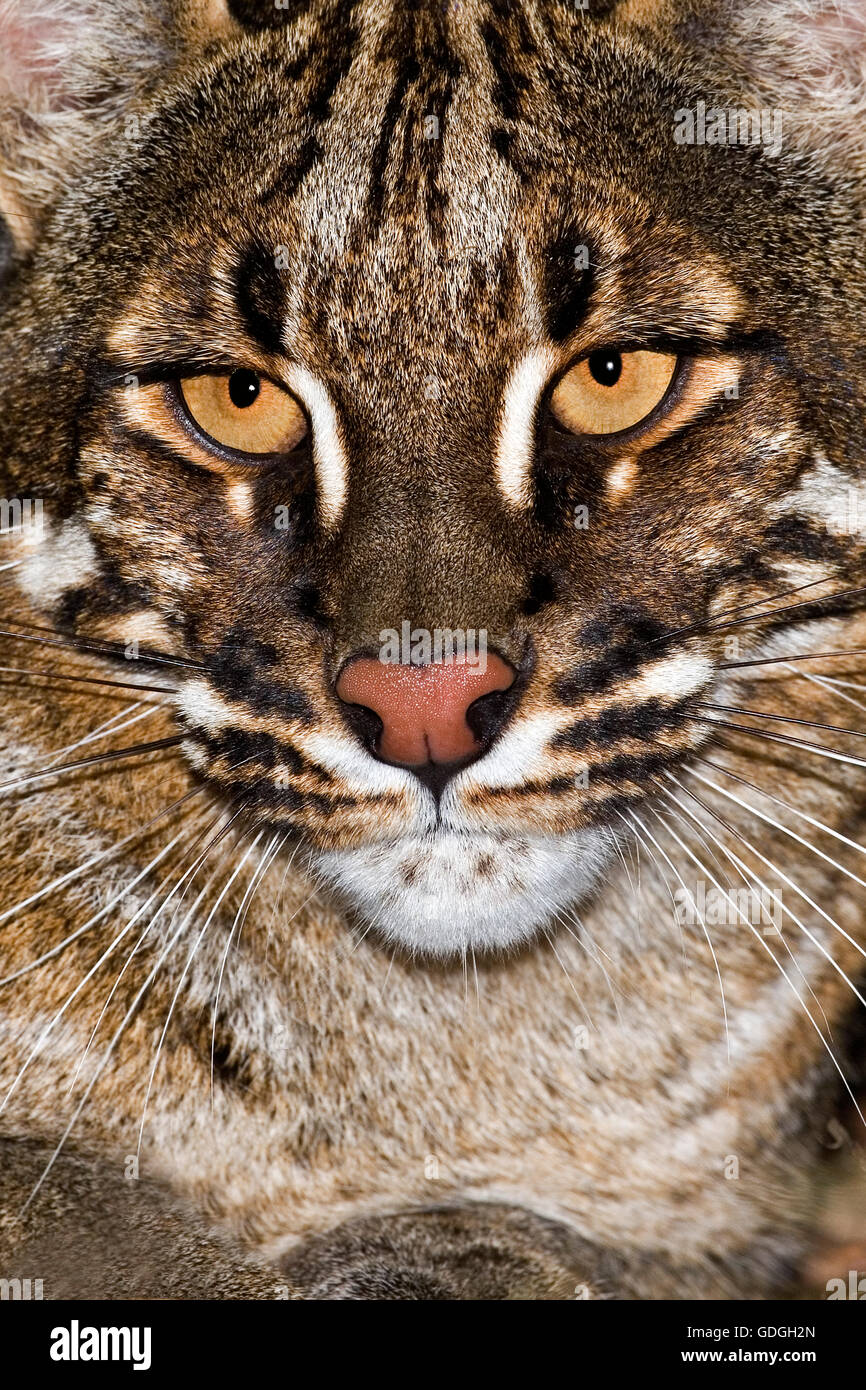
[(352, 1041)]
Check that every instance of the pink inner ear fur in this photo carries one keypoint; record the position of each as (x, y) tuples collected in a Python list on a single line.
[(807, 58), (834, 39), (56, 55), (31, 53)]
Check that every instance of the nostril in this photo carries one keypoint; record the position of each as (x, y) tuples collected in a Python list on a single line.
[(486, 715), (365, 724)]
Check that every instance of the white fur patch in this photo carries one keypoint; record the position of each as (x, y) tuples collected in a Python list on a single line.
[(329, 455), (517, 749), (203, 707), (517, 428), (450, 894), (63, 559), (347, 759), (671, 678), (821, 495)]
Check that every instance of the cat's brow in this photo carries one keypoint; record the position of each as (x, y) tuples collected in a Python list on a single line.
[(260, 297)]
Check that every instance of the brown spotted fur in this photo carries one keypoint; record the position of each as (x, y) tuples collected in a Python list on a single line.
[(374, 1116)]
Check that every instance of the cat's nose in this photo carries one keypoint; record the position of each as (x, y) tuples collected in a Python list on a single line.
[(442, 713)]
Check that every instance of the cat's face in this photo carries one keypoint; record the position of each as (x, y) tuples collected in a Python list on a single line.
[(405, 325)]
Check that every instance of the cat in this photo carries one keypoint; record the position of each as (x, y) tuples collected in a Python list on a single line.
[(421, 424)]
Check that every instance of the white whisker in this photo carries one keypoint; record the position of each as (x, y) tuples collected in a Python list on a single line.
[(794, 836), (73, 874), (207, 921), (107, 1055), (190, 875), (701, 919), (48, 1029), (747, 875), (260, 871), (111, 726), (762, 943), (92, 921)]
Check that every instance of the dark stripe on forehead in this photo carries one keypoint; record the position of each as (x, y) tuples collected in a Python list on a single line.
[(292, 175), (567, 285), (266, 14), (338, 58), (511, 84), (416, 43), (260, 296), (388, 134), (323, 67)]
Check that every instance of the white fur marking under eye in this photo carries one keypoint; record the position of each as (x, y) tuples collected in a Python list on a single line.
[(240, 500), (621, 478), (329, 455), (517, 430)]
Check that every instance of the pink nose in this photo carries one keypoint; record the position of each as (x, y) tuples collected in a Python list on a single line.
[(423, 708)]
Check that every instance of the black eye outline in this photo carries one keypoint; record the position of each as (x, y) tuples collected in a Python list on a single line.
[(251, 462), (679, 379)]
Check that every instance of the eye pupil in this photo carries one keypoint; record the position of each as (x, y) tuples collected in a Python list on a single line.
[(244, 388), (605, 367)]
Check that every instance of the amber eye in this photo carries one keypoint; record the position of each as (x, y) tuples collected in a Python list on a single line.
[(610, 391), (244, 412)]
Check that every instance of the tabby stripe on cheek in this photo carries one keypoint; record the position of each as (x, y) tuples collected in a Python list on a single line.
[(644, 721), (516, 447)]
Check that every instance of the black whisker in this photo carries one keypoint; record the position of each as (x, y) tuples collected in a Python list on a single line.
[(41, 627), (741, 608), (115, 649), (86, 680), (707, 628), (781, 738), (775, 660), (781, 718), (150, 747)]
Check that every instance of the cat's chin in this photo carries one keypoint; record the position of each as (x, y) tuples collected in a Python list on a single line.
[(444, 893)]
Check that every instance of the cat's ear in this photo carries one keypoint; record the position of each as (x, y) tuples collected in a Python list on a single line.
[(805, 58), (808, 57), (70, 71)]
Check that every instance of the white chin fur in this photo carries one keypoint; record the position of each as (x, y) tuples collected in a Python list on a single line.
[(445, 893)]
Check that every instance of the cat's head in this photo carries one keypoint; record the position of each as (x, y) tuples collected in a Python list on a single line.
[(423, 379)]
